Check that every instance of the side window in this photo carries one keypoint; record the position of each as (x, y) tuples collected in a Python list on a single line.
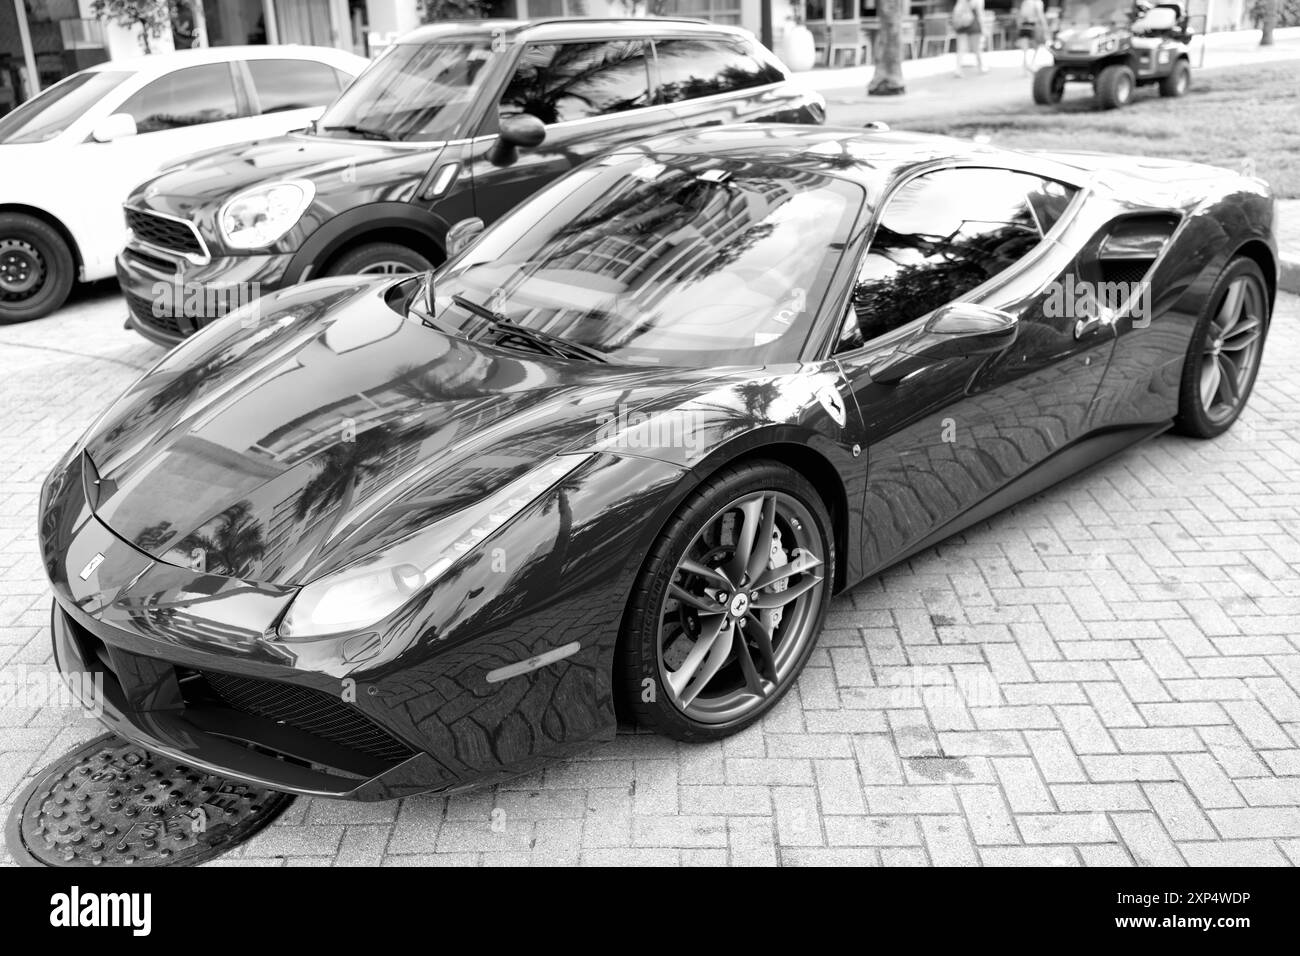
[(189, 97), (557, 82), (941, 235), (293, 84), (694, 67)]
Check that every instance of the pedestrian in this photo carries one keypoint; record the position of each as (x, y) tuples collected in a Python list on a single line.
[(1031, 32), (967, 23)]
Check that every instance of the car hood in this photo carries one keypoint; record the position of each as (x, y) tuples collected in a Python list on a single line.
[(212, 176), (278, 445)]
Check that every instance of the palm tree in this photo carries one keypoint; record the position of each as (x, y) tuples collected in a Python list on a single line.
[(1269, 22), (887, 80)]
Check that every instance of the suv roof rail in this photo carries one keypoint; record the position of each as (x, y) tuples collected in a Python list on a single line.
[(547, 21)]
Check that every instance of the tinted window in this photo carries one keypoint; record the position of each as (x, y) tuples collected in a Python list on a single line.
[(940, 236), (418, 92), (293, 84), (566, 81), (50, 113), (189, 97), (689, 68)]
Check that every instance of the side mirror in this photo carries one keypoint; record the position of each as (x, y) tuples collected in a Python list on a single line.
[(117, 126), (462, 234), (522, 129), (960, 329)]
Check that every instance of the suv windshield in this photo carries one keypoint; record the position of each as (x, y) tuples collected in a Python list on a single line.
[(54, 110), (673, 259), (414, 92)]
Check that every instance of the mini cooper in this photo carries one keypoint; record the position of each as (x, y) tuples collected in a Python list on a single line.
[(455, 124)]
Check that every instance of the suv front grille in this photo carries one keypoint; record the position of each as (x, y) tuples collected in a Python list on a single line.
[(163, 232), (308, 710), (144, 311)]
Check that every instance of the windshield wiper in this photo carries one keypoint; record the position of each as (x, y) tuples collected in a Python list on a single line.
[(553, 344), (365, 131)]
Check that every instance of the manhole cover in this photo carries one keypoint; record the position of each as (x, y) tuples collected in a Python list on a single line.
[(112, 803)]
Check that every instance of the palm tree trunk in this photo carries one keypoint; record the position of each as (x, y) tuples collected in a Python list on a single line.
[(887, 80), (1270, 22)]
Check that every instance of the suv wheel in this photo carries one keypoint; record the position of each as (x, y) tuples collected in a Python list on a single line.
[(379, 258), (36, 268)]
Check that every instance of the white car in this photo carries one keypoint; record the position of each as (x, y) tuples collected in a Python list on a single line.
[(70, 156)]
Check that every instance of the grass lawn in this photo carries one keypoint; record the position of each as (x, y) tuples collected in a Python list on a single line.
[(1230, 116)]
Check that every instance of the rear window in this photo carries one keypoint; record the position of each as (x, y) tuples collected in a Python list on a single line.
[(293, 84), (692, 67)]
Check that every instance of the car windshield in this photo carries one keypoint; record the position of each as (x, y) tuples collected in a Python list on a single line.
[(672, 259), (49, 114), (415, 92)]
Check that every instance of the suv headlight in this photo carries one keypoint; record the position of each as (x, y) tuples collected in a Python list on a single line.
[(257, 217), (366, 592)]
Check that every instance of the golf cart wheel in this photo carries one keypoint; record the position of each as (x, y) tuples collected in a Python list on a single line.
[(36, 268), (1178, 80), (1115, 86), (1049, 85)]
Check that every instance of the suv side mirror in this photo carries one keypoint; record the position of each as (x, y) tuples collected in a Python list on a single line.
[(960, 329), (117, 126), (522, 129)]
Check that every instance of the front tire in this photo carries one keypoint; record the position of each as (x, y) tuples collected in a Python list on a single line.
[(1049, 85), (36, 268), (379, 258), (1224, 354), (1115, 86), (729, 603)]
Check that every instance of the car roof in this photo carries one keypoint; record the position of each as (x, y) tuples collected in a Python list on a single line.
[(579, 28), (157, 63), (867, 156)]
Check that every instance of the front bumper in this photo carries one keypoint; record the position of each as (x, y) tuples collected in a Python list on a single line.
[(191, 667), (169, 299)]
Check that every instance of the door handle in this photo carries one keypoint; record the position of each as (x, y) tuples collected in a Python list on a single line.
[(1102, 316), (1088, 326)]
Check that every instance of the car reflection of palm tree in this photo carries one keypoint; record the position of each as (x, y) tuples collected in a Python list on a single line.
[(751, 410), (234, 546), (558, 81), (154, 537), (341, 467)]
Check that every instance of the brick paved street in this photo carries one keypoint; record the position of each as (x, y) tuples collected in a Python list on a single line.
[(1108, 674)]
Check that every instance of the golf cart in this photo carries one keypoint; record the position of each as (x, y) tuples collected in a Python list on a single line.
[(1118, 48)]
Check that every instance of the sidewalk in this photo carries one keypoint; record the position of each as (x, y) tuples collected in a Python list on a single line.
[(1221, 49)]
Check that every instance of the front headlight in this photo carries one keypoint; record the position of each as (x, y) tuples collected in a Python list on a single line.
[(257, 217), (368, 591)]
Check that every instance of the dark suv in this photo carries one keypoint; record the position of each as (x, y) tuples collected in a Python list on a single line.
[(452, 126)]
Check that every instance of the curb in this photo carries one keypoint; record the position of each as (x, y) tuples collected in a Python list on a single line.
[(1288, 274)]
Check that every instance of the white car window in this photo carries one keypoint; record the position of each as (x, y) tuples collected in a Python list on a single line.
[(188, 97)]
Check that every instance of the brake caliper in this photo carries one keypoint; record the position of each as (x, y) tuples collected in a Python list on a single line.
[(777, 558)]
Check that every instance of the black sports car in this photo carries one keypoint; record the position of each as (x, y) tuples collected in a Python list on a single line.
[(371, 536)]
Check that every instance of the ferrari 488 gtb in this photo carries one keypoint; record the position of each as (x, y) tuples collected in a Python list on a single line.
[(375, 535)]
